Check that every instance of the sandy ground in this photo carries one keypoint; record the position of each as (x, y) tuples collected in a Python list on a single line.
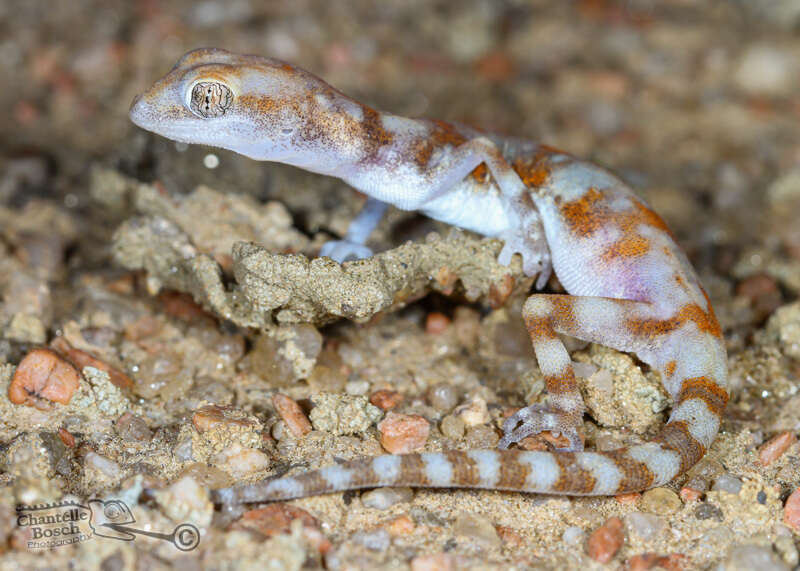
[(103, 226)]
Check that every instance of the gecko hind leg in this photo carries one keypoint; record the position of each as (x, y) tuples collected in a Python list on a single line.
[(589, 318)]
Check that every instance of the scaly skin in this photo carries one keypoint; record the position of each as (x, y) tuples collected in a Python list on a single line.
[(630, 287)]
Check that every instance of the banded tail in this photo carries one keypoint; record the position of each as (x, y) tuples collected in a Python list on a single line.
[(692, 427)]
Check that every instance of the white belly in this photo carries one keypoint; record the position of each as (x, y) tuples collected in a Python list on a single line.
[(470, 206)]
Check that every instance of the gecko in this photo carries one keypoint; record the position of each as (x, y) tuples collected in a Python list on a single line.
[(628, 284)]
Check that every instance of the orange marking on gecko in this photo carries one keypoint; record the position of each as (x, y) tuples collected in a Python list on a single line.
[(572, 477), (635, 475), (670, 367), (585, 215), (676, 436), (705, 322), (443, 135), (707, 390)]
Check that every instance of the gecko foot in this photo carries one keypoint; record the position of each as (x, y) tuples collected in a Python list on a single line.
[(538, 418), (531, 245), (344, 250)]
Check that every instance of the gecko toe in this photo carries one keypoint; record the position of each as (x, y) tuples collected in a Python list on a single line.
[(343, 251)]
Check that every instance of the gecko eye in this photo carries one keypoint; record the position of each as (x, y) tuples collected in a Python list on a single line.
[(210, 99)]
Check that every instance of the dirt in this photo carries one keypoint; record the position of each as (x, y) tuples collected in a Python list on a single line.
[(184, 283)]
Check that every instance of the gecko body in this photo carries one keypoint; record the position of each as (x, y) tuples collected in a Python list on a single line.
[(629, 285)]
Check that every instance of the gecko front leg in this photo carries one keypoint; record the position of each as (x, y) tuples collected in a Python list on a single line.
[(524, 234), (353, 246)]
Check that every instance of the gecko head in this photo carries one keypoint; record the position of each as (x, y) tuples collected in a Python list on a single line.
[(217, 98)]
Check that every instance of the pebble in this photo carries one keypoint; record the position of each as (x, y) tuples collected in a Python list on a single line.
[(509, 537), (240, 462), (628, 499), (207, 476), (276, 519), (434, 562), (473, 413), (791, 511), (645, 525), (467, 323), (26, 328), (385, 399), (436, 323), (481, 437), (765, 70), (343, 414), (788, 551), (671, 562), (66, 437), (573, 535), (357, 388), (775, 447), (133, 428), (43, 374), (749, 557), (662, 501), (403, 433), (377, 540), (213, 416), (82, 359), (401, 525), (384, 498), (443, 397), (606, 540), (452, 427), (476, 527), (186, 500), (784, 327), (292, 415), (105, 466), (688, 494), (727, 483), (708, 511)]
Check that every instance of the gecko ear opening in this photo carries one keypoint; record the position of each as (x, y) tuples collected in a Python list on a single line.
[(208, 99)]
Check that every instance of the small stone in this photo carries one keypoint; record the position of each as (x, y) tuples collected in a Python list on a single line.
[(82, 359), (509, 537), (481, 437), (343, 414), (66, 437), (708, 511), (662, 501), (403, 433), (573, 535), (477, 528), (606, 540), (108, 468), (749, 557), (775, 447), (473, 413), (688, 494), (241, 462), (43, 375), (434, 562), (443, 397), (765, 69), (377, 540), (788, 551), (467, 324), (133, 428), (436, 323), (292, 415), (276, 519), (357, 388), (384, 498), (385, 399), (628, 499), (791, 511), (207, 476), (727, 483), (452, 427), (645, 561), (401, 525), (26, 328), (212, 416), (186, 500), (645, 525)]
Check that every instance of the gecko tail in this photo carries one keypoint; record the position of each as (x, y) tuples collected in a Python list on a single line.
[(691, 428)]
